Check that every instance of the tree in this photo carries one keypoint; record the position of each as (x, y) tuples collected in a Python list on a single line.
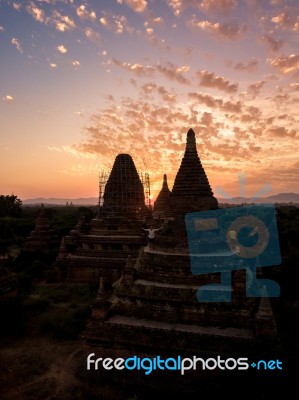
[(10, 206)]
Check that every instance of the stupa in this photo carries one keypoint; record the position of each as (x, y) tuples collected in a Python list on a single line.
[(124, 193), (191, 189), (42, 236), (101, 249), (162, 204)]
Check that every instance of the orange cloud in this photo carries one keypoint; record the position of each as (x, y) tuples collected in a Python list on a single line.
[(136, 5), (285, 64), (138, 69), (62, 49), (92, 35), (288, 20), (8, 98), (63, 22), (250, 66), (218, 5), (273, 45), (209, 79), (282, 131), (174, 72), (17, 44), (83, 13), (231, 31), (255, 88), (37, 13)]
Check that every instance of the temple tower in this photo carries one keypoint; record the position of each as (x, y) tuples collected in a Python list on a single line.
[(124, 194), (101, 247), (191, 190)]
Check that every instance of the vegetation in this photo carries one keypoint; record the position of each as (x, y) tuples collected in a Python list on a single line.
[(10, 206)]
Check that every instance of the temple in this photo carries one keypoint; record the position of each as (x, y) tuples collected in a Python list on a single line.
[(101, 248), (42, 237), (154, 309), (162, 204)]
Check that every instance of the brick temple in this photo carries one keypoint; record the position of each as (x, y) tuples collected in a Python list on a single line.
[(100, 249), (154, 309)]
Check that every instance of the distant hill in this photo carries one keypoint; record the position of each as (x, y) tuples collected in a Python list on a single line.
[(277, 198), (91, 201)]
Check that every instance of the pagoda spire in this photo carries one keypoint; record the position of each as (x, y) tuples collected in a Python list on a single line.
[(191, 190), (161, 206), (191, 141)]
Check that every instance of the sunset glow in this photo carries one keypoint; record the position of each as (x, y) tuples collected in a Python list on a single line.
[(82, 81)]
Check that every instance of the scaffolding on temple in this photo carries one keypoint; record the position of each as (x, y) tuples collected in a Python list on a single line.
[(145, 179), (103, 178)]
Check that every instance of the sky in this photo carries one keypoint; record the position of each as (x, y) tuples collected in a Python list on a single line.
[(82, 81)]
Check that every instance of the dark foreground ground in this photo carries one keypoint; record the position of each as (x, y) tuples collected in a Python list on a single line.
[(43, 353), (47, 364)]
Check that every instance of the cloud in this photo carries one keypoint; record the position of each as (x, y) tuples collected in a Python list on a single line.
[(250, 66), (76, 63), (151, 88), (138, 69), (121, 127), (206, 119), (63, 22), (285, 64), (273, 45), (16, 43), (8, 98), (121, 24), (206, 99), (53, 65), (282, 131), (136, 5), (218, 5), (294, 86), (157, 20), (287, 20), (17, 6), (83, 13), (255, 88), (173, 72), (92, 35), (117, 23), (211, 102), (231, 31), (37, 13), (209, 79), (61, 49)]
